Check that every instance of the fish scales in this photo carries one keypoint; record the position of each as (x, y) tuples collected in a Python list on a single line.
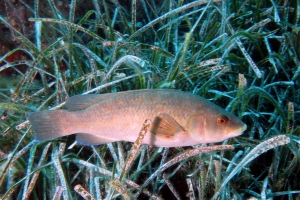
[(126, 114), (178, 119)]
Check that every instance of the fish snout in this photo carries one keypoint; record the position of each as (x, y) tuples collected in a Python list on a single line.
[(237, 131)]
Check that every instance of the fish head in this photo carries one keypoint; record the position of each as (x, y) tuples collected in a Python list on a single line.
[(214, 124)]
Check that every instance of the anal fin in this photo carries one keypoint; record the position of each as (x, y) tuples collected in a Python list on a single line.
[(89, 139)]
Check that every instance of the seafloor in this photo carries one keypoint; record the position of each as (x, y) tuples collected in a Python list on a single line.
[(241, 55)]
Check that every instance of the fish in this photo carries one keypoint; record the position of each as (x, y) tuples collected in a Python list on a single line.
[(177, 119)]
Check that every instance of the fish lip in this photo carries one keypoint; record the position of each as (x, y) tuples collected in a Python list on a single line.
[(242, 129), (238, 132)]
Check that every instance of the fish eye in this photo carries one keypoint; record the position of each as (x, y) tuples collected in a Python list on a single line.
[(222, 119)]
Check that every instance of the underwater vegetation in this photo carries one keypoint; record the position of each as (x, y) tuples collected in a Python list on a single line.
[(243, 56)]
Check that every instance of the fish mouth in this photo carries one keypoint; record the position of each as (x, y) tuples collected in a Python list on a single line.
[(244, 128), (238, 131)]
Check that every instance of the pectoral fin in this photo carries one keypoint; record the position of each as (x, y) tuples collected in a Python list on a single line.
[(89, 139), (166, 127)]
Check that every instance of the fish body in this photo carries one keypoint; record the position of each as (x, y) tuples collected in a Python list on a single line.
[(178, 119)]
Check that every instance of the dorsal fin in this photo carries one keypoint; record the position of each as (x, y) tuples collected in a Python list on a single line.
[(165, 126), (81, 102)]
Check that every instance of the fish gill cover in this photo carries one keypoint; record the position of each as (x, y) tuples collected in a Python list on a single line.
[(241, 55)]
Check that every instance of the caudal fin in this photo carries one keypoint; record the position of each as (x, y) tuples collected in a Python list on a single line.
[(48, 125)]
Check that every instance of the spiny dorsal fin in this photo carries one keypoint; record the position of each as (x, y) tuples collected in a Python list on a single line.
[(89, 139), (165, 126)]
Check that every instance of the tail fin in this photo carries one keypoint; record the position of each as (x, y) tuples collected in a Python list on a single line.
[(48, 125)]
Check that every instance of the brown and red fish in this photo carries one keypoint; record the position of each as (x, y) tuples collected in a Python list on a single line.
[(178, 119)]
